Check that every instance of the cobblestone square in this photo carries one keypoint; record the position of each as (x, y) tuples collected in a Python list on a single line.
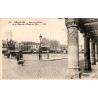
[(53, 68)]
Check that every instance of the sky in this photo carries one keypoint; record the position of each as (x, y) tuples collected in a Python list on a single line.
[(29, 29)]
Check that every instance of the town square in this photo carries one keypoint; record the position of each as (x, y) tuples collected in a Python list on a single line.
[(59, 48)]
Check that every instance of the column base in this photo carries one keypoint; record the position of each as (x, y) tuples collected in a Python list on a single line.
[(87, 66), (73, 73)]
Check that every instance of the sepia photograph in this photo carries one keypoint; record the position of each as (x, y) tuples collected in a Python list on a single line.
[(49, 48)]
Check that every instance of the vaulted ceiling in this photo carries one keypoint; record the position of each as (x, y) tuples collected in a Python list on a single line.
[(89, 25)]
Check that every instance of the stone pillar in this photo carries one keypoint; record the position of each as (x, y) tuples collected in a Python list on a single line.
[(93, 60), (87, 61), (96, 52), (73, 48)]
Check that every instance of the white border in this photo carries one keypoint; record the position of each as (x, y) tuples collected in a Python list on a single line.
[(45, 88)]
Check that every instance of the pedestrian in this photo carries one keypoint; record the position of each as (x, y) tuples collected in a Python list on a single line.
[(8, 55), (39, 56), (20, 55), (11, 53), (48, 55), (17, 56)]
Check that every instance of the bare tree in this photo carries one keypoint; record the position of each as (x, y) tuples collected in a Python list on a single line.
[(54, 44), (8, 35)]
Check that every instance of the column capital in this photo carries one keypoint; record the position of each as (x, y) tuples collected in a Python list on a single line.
[(71, 22)]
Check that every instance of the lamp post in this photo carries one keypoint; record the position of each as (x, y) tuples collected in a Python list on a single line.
[(40, 56), (40, 37), (7, 44), (47, 54)]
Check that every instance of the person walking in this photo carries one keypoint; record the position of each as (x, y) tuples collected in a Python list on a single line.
[(20, 55), (48, 55), (40, 57), (8, 55), (20, 58), (17, 56)]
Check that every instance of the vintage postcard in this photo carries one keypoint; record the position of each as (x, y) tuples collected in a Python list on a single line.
[(49, 48)]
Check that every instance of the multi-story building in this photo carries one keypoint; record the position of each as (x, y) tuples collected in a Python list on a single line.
[(17, 46), (8, 45), (11, 45), (4, 46), (29, 46)]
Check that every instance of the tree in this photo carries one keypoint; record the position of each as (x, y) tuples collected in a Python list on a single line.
[(53, 44), (8, 35), (45, 41)]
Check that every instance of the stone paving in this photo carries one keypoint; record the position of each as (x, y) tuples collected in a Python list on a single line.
[(33, 68), (93, 75), (53, 68)]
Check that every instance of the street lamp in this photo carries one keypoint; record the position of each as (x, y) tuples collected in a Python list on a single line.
[(40, 37), (7, 44), (40, 56)]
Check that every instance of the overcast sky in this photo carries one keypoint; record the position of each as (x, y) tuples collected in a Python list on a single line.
[(51, 28)]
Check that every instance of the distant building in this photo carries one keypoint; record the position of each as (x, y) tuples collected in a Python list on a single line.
[(4, 46), (17, 46), (29, 46), (11, 45), (8, 45), (64, 48)]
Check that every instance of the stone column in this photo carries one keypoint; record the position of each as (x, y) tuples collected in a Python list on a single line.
[(93, 60), (96, 52), (87, 61), (73, 48)]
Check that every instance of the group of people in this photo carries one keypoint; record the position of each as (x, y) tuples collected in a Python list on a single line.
[(18, 56)]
